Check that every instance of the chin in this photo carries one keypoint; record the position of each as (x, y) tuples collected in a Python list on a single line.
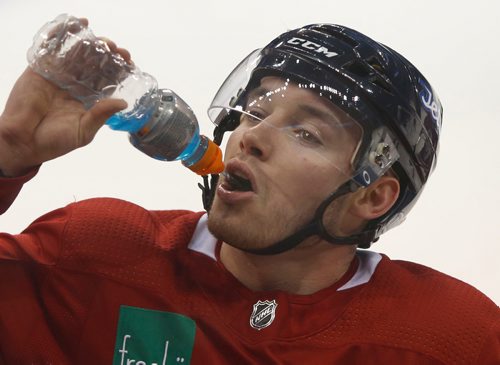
[(254, 225), (239, 230), (245, 231), (229, 229)]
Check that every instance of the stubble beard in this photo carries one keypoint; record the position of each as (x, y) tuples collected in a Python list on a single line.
[(243, 229)]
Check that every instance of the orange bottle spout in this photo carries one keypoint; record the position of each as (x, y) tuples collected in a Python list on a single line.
[(211, 162)]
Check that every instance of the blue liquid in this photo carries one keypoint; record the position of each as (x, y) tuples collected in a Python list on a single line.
[(190, 150), (191, 154), (123, 122)]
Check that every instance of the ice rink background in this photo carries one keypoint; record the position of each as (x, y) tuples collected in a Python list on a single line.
[(191, 46)]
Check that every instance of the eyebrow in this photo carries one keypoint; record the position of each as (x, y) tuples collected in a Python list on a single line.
[(260, 91), (323, 116)]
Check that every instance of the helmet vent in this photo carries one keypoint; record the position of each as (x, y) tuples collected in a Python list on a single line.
[(370, 72), (358, 68), (336, 33), (374, 62), (380, 82), (380, 78)]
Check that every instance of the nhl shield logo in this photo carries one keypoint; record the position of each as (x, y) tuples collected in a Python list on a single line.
[(263, 314)]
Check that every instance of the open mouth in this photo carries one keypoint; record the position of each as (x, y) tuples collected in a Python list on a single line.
[(233, 182)]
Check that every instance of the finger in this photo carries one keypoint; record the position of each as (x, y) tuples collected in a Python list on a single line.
[(125, 54), (84, 21), (96, 116), (75, 25), (111, 45)]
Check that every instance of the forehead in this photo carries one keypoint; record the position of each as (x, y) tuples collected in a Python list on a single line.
[(306, 98)]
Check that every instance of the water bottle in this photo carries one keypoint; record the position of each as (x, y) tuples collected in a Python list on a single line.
[(159, 122)]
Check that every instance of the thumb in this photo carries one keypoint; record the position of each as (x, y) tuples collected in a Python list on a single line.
[(95, 117)]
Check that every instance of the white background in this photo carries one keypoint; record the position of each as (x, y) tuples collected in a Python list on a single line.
[(191, 47)]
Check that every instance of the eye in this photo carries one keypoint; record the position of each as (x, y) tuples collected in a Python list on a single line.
[(253, 116), (307, 136)]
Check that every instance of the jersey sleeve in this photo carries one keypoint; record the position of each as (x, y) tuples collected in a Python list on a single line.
[(41, 241), (10, 188)]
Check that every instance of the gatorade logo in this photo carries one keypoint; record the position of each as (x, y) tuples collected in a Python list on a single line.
[(312, 46), (149, 337)]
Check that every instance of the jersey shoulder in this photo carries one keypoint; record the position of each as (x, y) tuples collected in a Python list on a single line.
[(437, 314), (113, 237), (414, 308), (430, 288)]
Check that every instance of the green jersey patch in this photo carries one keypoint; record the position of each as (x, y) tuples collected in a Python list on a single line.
[(151, 337)]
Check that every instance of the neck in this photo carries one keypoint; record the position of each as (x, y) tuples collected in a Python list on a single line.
[(310, 267)]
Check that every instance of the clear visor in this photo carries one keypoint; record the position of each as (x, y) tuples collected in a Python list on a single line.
[(226, 97), (310, 123), (375, 150)]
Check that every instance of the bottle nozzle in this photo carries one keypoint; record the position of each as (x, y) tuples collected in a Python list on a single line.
[(211, 162)]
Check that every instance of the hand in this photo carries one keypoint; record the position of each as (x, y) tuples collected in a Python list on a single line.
[(41, 122)]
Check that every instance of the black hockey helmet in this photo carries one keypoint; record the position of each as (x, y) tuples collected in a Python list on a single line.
[(397, 108)]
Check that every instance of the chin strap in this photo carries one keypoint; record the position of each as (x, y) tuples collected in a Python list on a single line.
[(210, 182), (208, 190), (316, 227)]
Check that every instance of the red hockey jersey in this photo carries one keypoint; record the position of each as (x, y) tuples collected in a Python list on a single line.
[(104, 281)]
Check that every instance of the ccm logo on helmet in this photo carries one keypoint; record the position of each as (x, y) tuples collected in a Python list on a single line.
[(311, 46)]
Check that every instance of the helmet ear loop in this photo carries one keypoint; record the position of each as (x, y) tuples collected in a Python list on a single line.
[(362, 239)]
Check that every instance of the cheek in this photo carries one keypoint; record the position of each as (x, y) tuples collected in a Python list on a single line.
[(309, 181), (232, 143)]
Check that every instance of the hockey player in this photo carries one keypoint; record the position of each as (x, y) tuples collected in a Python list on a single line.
[(333, 137)]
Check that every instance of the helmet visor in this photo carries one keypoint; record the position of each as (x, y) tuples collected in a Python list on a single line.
[(242, 93), (226, 98), (297, 115)]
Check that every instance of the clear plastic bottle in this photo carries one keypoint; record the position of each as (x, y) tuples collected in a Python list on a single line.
[(159, 122)]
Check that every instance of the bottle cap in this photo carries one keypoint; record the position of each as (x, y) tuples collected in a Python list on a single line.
[(211, 162)]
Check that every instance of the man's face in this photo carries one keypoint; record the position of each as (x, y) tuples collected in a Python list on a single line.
[(291, 150)]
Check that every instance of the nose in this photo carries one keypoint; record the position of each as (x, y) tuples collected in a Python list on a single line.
[(256, 141)]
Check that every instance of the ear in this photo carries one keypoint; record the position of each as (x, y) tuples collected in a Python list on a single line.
[(375, 200)]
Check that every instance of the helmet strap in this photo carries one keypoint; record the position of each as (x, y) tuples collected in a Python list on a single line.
[(316, 227)]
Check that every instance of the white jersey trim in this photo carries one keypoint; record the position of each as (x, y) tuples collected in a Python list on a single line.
[(204, 242), (368, 262)]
